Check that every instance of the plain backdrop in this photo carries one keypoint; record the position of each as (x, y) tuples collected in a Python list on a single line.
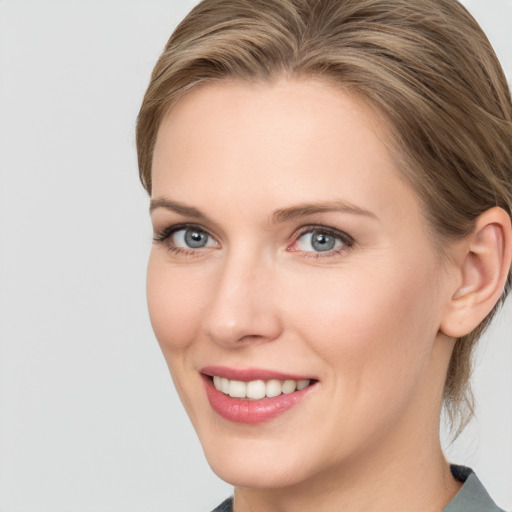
[(89, 420)]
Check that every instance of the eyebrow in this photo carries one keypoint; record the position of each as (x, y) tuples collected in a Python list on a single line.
[(175, 206), (303, 210), (279, 216)]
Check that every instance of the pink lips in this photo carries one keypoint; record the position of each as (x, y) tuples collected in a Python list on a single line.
[(250, 411)]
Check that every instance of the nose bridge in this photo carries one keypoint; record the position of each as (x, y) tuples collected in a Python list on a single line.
[(241, 308)]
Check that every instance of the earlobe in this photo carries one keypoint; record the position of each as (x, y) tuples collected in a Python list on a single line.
[(484, 268)]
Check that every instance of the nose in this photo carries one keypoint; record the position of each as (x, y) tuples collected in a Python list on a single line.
[(243, 307)]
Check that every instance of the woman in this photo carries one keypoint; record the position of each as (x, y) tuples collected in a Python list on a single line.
[(331, 199)]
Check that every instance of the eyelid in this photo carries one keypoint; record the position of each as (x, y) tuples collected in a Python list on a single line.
[(168, 231), (163, 237), (347, 240), (345, 237)]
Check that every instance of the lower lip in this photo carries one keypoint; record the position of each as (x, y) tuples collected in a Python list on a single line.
[(252, 412)]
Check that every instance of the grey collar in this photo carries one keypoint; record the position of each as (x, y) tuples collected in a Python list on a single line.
[(472, 497)]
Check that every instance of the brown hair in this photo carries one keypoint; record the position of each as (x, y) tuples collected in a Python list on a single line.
[(425, 65)]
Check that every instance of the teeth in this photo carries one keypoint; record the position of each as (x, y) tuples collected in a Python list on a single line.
[(237, 389), (258, 389), (289, 386), (224, 385), (273, 388), (301, 384)]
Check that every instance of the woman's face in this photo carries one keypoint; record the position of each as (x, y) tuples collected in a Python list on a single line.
[(288, 248)]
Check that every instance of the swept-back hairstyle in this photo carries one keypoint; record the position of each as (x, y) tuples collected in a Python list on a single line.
[(425, 65)]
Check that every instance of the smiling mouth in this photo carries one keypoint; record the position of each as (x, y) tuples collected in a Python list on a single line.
[(254, 395), (258, 389)]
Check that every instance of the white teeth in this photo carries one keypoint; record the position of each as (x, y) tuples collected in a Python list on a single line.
[(273, 388), (237, 389), (289, 386), (301, 384), (224, 385), (258, 389)]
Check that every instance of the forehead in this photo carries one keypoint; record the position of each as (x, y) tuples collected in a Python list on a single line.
[(299, 99), (292, 140)]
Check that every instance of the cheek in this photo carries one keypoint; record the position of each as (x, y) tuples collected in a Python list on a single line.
[(370, 323), (374, 335), (174, 303)]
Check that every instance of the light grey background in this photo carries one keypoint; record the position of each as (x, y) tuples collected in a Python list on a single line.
[(89, 421)]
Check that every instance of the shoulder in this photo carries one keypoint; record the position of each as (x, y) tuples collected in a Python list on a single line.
[(225, 506), (472, 496)]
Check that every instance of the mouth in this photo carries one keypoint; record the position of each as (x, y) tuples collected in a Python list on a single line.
[(258, 389), (253, 396)]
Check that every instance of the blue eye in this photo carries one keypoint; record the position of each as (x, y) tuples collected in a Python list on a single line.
[(185, 240), (191, 238), (321, 240)]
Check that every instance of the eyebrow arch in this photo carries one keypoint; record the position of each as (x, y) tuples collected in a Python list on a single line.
[(303, 210), (175, 206), (279, 216)]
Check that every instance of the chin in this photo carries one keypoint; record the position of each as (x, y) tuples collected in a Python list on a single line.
[(265, 472), (261, 462)]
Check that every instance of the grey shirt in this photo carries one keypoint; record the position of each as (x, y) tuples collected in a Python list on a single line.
[(472, 496)]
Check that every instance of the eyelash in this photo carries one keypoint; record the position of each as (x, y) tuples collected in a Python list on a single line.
[(163, 237), (347, 241)]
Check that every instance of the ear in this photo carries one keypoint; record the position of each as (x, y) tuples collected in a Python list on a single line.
[(484, 264)]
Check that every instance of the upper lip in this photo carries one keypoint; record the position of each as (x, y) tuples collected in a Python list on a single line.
[(248, 374)]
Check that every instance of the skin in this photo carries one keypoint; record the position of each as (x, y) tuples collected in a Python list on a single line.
[(363, 319)]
